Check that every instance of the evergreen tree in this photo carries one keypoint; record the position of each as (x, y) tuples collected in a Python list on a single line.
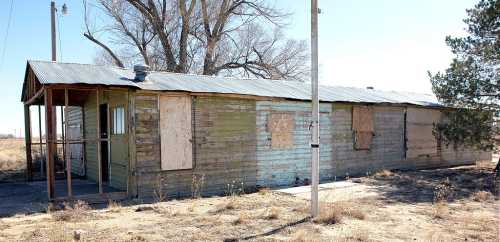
[(471, 83)]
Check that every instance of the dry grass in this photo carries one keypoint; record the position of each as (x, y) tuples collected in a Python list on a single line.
[(242, 218), (228, 204), (12, 154), (264, 191), (329, 215), (75, 212), (57, 232), (482, 196), (440, 210), (397, 213), (333, 213), (303, 235), (443, 191), (383, 174), (114, 206), (272, 213)]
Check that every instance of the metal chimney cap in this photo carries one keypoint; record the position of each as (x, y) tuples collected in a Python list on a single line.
[(141, 71), (141, 68)]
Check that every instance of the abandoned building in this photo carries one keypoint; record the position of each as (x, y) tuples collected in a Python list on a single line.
[(131, 132)]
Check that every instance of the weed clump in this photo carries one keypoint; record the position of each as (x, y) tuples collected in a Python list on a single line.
[(329, 215), (443, 192), (440, 210), (482, 196), (75, 212), (114, 206), (334, 213), (383, 174), (272, 213)]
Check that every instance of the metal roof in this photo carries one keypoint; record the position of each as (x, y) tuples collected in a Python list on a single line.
[(70, 73)]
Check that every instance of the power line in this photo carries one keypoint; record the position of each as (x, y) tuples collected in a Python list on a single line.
[(7, 32)]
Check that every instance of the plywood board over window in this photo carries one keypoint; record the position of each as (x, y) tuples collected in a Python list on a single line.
[(420, 138), (281, 126), (175, 132), (363, 127)]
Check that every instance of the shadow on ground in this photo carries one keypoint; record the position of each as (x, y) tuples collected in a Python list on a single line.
[(425, 185)]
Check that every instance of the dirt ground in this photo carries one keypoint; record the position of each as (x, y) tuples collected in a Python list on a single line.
[(433, 205)]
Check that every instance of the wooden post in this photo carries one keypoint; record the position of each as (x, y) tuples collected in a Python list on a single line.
[(27, 139), (98, 138), (50, 140), (65, 138), (40, 139)]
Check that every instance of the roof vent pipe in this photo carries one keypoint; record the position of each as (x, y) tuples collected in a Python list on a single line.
[(141, 71)]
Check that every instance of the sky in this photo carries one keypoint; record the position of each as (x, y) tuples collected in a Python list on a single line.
[(386, 44)]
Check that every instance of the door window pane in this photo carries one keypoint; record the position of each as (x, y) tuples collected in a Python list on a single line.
[(118, 120)]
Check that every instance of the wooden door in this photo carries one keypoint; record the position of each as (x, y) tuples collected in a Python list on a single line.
[(118, 137)]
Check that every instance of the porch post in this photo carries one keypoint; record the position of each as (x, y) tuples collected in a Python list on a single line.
[(40, 139), (50, 141), (27, 139)]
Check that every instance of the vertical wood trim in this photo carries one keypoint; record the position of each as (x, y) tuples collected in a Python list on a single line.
[(84, 146), (405, 133), (108, 139), (27, 138), (131, 182), (67, 155), (40, 138), (63, 135), (98, 138), (49, 139)]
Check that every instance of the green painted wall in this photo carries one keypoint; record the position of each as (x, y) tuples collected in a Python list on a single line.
[(118, 164)]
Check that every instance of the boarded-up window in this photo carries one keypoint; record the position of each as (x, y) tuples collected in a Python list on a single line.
[(420, 138), (362, 125), (281, 126), (175, 133)]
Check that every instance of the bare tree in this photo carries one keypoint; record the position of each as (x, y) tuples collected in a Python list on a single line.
[(214, 37)]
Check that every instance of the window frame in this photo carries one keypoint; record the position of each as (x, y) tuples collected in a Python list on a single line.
[(118, 128)]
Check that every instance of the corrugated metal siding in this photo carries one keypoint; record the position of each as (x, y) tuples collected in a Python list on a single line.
[(280, 166)]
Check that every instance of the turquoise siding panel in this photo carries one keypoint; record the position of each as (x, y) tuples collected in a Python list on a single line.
[(281, 166)]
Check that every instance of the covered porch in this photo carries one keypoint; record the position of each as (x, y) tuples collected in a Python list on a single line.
[(81, 150)]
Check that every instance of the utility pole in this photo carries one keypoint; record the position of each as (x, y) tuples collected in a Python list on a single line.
[(315, 110), (53, 28)]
